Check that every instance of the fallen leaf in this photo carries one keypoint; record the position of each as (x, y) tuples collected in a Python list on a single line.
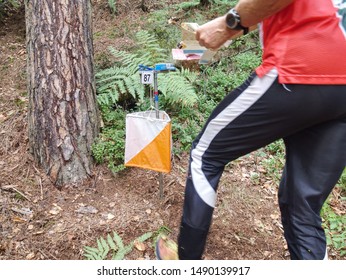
[(17, 219), (55, 210), (87, 210), (70, 237), (30, 256), (275, 216), (2, 118), (140, 246), (110, 216), (135, 218), (268, 228), (266, 254), (259, 223)]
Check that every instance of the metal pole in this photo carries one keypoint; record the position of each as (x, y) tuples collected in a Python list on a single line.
[(156, 96), (156, 103)]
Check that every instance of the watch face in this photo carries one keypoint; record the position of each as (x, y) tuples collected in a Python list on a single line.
[(231, 21)]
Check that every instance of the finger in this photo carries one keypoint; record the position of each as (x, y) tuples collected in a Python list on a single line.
[(197, 35)]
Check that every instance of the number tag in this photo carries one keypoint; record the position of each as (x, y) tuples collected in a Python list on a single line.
[(147, 77)]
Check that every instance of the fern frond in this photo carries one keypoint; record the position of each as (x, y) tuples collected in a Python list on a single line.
[(145, 236), (128, 82), (118, 240), (114, 244), (150, 48), (120, 86), (105, 248), (117, 81), (123, 79), (127, 249), (120, 255), (177, 90), (111, 243), (140, 90), (99, 245), (91, 253), (125, 58), (189, 75)]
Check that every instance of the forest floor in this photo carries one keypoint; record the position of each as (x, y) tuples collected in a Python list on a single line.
[(38, 221)]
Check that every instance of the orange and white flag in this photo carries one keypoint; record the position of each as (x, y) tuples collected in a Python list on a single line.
[(148, 141)]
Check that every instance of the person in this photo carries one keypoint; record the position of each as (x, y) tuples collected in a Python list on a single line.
[(297, 94)]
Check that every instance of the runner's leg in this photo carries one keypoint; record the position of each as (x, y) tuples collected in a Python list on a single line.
[(254, 115), (315, 160)]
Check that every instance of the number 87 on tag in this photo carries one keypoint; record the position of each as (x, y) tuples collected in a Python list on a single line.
[(147, 77)]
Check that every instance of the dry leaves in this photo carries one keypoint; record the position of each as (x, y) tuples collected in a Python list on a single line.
[(140, 246)]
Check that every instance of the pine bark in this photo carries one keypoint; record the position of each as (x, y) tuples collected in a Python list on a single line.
[(62, 117)]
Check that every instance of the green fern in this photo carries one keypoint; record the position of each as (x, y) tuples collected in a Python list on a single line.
[(112, 6), (149, 48), (175, 89), (188, 5), (122, 81), (114, 245)]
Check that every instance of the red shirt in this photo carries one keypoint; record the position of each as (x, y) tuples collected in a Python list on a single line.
[(306, 43)]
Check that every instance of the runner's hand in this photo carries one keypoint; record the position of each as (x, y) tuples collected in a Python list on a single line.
[(215, 33)]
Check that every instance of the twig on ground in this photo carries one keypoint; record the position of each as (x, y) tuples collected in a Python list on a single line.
[(13, 187)]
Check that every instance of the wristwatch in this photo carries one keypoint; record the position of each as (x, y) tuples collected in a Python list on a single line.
[(233, 21)]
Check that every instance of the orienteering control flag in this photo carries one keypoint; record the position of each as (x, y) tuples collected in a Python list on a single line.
[(148, 141)]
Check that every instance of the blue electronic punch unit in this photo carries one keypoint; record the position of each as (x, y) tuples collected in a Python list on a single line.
[(161, 67)]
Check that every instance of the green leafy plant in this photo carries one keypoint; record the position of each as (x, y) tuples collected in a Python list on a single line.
[(187, 122), (177, 88), (112, 6), (216, 82), (335, 228), (112, 247), (109, 146), (116, 82), (9, 6), (274, 159), (342, 182), (188, 5), (334, 223), (122, 81)]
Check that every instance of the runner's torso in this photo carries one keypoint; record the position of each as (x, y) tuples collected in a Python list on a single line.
[(306, 42)]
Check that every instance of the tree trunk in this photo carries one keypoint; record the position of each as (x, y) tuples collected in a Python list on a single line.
[(63, 116)]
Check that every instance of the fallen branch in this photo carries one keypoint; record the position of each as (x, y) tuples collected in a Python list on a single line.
[(13, 188)]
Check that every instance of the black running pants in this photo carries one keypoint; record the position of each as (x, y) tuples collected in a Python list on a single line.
[(312, 121)]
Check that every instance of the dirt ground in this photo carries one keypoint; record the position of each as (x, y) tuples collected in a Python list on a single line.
[(37, 221)]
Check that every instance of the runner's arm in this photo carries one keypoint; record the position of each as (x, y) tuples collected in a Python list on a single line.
[(215, 33)]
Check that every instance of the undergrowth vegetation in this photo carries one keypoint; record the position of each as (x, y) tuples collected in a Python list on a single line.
[(113, 247), (334, 222), (8, 6), (188, 96)]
